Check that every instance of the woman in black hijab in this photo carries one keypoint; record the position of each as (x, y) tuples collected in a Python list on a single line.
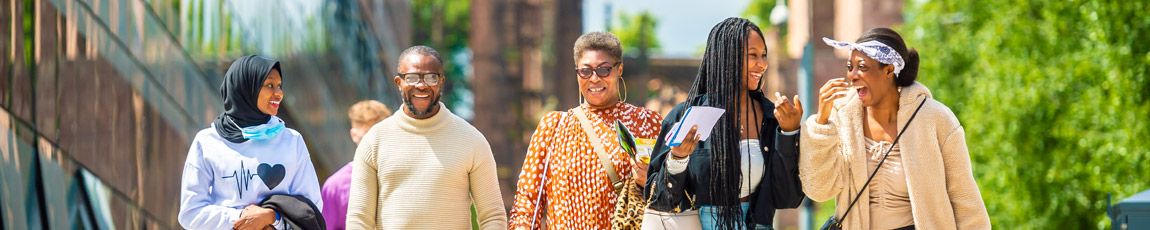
[(246, 156), (246, 102)]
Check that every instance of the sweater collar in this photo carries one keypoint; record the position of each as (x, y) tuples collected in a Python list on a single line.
[(911, 95), (431, 124)]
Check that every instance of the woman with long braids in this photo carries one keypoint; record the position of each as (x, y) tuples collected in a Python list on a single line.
[(855, 149), (748, 167)]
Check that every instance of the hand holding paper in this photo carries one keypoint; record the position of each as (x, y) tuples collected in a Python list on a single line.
[(702, 116), (698, 120), (685, 148)]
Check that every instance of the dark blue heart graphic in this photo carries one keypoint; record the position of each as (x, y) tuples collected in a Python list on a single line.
[(271, 175)]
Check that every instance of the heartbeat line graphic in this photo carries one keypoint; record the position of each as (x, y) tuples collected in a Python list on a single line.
[(245, 179)]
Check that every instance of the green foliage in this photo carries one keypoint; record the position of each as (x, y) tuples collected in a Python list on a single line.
[(1053, 96), (759, 12), (446, 26), (441, 24), (633, 30), (29, 36)]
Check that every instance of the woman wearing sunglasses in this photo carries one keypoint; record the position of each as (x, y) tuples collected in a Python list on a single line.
[(570, 179)]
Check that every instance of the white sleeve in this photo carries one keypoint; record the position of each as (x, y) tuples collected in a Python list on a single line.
[(791, 133), (197, 210), (279, 224), (677, 166), (306, 183)]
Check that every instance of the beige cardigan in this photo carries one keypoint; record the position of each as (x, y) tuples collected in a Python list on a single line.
[(943, 194)]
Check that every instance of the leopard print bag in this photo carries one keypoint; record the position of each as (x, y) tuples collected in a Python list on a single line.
[(629, 206)]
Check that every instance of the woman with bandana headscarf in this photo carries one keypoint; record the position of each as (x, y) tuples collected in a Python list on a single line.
[(854, 149), (245, 156)]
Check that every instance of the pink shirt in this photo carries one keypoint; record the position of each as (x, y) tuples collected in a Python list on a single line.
[(335, 193)]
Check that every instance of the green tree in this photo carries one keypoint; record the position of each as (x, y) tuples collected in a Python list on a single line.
[(634, 30), (446, 26), (759, 12), (1053, 96)]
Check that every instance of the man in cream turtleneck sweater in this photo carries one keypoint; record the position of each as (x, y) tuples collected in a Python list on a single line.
[(424, 167)]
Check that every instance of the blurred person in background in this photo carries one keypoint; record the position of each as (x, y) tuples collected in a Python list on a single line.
[(337, 188)]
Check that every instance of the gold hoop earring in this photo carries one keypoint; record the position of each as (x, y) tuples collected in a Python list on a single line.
[(581, 100), (623, 92)]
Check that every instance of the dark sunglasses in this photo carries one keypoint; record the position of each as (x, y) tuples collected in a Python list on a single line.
[(602, 71)]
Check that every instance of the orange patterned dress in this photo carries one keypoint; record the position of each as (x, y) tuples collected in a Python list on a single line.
[(577, 193)]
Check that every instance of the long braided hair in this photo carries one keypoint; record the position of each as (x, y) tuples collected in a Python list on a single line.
[(721, 77)]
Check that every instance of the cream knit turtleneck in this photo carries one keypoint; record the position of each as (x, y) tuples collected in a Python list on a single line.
[(424, 174)]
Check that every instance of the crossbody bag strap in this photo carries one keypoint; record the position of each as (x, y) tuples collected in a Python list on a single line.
[(597, 143), (535, 219), (896, 138)]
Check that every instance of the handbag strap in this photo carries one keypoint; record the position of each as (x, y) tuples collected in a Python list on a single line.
[(896, 138), (539, 198), (597, 143)]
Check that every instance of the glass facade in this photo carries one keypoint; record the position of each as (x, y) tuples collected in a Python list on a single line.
[(100, 98)]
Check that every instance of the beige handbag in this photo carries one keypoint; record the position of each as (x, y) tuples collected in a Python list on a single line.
[(656, 220), (659, 220)]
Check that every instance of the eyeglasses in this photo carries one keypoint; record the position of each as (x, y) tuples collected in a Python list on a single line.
[(429, 79), (602, 71)]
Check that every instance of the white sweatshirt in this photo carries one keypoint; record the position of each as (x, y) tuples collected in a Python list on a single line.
[(221, 178)]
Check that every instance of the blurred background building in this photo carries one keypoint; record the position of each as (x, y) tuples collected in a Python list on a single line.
[(100, 98)]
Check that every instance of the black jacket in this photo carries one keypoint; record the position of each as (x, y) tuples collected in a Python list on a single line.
[(779, 188), (296, 211)]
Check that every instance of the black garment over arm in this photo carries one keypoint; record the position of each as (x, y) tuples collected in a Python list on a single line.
[(296, 211)]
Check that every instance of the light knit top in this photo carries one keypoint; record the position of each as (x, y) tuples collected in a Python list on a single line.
[(576, 190), (424, 174), (889, 197)]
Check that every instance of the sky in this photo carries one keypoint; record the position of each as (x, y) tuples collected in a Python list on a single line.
[(683, 24)]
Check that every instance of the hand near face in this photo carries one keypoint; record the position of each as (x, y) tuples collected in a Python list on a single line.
[(831, 91), (789, 113)]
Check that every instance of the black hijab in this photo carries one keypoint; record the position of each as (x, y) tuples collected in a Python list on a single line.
[(241, 91)]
